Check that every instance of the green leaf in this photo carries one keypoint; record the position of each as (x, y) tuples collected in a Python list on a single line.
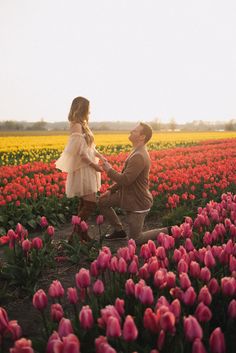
[(32, 223)]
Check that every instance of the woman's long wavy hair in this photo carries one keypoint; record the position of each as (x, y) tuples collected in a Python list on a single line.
[(79, 113)]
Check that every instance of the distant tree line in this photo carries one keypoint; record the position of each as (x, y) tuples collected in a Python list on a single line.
[(157, 125)]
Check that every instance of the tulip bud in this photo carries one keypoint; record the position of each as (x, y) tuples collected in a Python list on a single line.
[(40, 300), (217, 341), (26, 245), (86, 317), (14, 329), (113, 327), (198, 346), (56, 290), (119, 305), (130, 331), (37, 243), (71, 344), (84, 226), (50, 231), (57, 312), (72, 295), (98, 287), (3, 320), (99, 219), (65, 327), (203, 313), (82, 278), (192, 329), (22, 345), (43, 222), (75, 220)]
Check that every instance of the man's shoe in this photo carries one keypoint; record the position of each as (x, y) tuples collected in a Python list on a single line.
[(117, 234)]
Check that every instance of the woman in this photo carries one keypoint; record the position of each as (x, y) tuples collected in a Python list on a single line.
[(80, 160)]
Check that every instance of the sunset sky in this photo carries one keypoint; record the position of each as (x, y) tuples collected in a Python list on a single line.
[(133, 59)]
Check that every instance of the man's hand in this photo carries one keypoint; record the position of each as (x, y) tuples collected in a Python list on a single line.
[(106, 166)]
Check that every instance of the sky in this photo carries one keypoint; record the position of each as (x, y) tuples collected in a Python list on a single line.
[(135, 60)]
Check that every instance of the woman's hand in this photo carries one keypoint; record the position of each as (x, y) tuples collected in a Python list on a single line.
[(96, 167)]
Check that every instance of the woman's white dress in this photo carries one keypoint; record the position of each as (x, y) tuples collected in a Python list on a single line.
[(82, 179)]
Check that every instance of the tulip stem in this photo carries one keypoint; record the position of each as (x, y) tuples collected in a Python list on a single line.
[(45, 323)]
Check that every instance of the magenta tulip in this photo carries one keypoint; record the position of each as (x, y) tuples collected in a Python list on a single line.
[(65, 327), (130, 331), (217, 341), (192, 329), (56, 312)]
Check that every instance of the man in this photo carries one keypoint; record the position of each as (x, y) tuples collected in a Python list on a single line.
[(130, 190)]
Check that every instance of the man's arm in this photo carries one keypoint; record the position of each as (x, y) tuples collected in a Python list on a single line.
[(134, 166)]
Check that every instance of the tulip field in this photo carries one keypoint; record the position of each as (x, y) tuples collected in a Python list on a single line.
[(174, 294)]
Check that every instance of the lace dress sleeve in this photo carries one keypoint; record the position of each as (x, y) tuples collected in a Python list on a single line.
[(70, 157)]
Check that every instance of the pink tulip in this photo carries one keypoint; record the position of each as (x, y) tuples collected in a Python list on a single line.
[(205, 296), (152, 246), (108, 311), (184, 280), (120, 305), (189, 245), (22, 346), (75, 220), (133, 267), (94, 269), (145, 252), (160, 278), (99, 219), (138, 287), (71, 344), (146, 295), (113, 266), (122, 265), (113, 327), (167, 322), (65, 327), (232, 309), (130, 331), (56, 312), (98, 287), (129, 287), (15, 329), (160, 253), (213, 286), (203, 313), (56, 290), (40, 300), (217, 341), (3, 320), (102, 346), (209, 259), (175, 307), (54, 340), (161, 339), (182, 266), (228, 286), (26, 245), (37, 243), (50, 231), (143, 272), (84, 226), (86, 317), (194, 269), (170, 279), (43, 222), (151, 321), (103, 260), (232, 263), (205, 274), (198, 346), (192, 329), (189, 296), (19, 228), (82, 278), (72, 295)]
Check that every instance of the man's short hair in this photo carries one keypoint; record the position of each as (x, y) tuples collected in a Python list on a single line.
[(147, 131)]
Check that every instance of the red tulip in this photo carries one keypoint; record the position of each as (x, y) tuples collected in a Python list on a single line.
[(26, 245), (43, 222), (50, 231), (37, 243)]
